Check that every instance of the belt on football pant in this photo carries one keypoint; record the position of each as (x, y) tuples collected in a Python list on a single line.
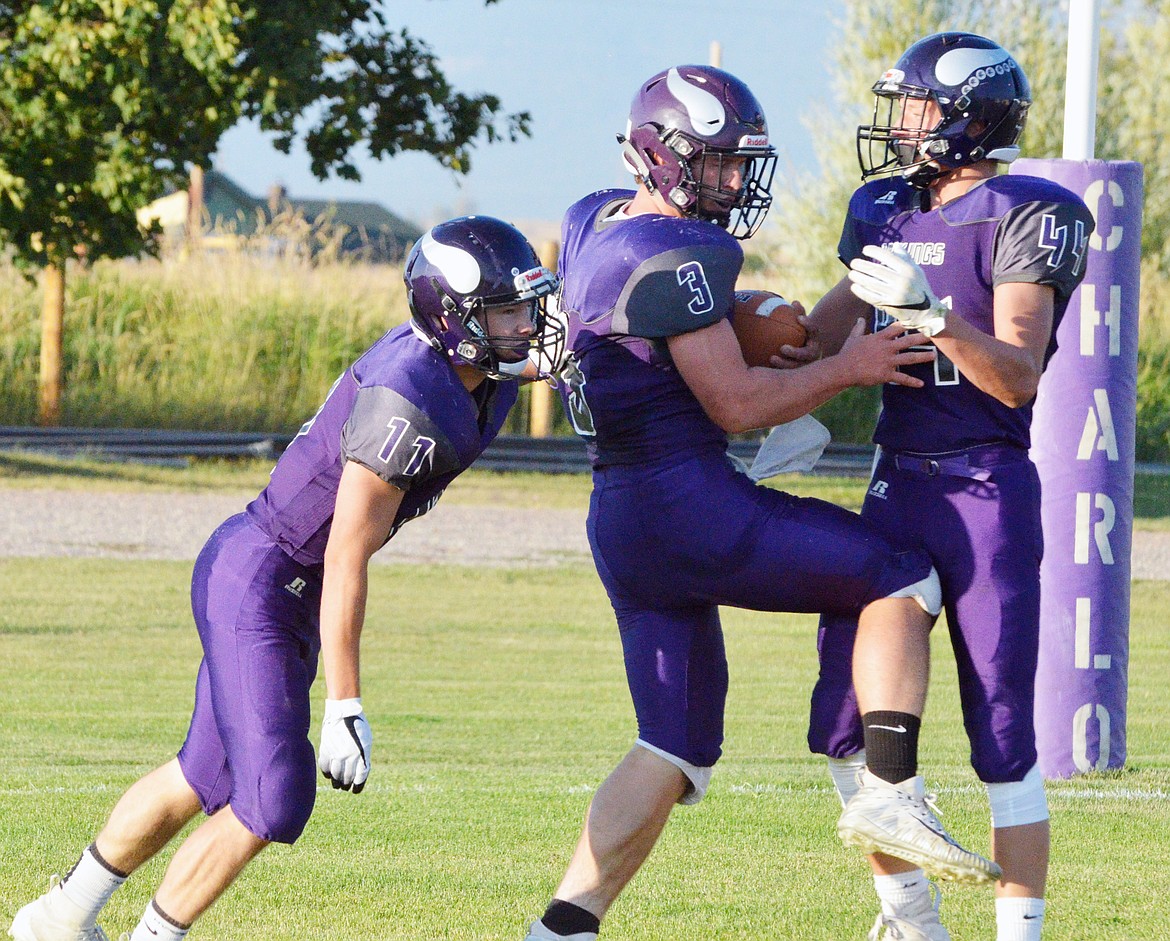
[(975, 464)]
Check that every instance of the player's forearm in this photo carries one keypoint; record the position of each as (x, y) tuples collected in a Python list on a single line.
[(834, 316), (1006, 372), (768, 397), (343, 612)]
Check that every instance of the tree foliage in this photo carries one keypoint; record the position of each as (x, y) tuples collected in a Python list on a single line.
[(104, 103), (1132, 114)]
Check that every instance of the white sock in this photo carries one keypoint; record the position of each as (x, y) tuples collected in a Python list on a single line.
[(846, 774), (902, 891), (157, 926), (1019, 919), (90, 883)]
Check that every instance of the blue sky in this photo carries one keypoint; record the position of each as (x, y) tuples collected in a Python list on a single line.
[(574, 64)]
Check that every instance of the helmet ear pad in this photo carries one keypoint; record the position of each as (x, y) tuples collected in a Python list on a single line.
[(666, 171)]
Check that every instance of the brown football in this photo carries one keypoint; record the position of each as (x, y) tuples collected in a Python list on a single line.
[(764, 322)]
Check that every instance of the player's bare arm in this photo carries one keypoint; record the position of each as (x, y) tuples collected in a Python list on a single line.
[(365, 511), (834, 316), (1008, 365), (738, 397)]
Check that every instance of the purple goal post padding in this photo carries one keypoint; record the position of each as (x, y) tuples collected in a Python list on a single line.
[(1083, 443)]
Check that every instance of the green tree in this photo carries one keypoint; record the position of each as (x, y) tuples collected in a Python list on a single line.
[(105, 103), (1137, 112), (1132, 114)]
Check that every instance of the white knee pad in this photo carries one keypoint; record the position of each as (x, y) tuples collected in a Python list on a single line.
[(928, 593), (699, 778), (846, 773), (1017, 803)]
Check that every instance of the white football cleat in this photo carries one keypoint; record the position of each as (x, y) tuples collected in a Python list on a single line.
[(53, 917), (899, 820), (538, 932), (915, 922)]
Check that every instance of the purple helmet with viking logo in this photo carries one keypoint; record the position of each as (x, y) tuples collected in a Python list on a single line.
[(689, 127), (981, 96), (461, 269)]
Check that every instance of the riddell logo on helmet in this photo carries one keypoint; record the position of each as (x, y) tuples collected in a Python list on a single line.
[(755, 141)]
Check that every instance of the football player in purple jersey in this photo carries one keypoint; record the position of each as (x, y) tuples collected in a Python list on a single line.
[(287, 579), (984, 265), (655, 383)]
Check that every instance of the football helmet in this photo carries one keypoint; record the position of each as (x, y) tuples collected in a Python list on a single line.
[(980, 96), (689, 127), (462, 268)]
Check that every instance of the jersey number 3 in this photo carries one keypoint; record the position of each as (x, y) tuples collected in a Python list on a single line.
[(692, 277)]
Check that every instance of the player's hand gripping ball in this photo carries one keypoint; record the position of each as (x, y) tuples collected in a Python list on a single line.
[(764, 322)]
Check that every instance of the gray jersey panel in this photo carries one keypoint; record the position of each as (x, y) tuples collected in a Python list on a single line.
[(1043, 243), (678, 291), (395, 439)]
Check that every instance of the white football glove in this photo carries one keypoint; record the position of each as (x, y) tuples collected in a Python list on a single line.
[(344, 755), (894, 282)]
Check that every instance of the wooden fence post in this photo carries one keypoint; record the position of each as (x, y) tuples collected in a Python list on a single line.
[(540, 412), (195, 197), (52, 329)]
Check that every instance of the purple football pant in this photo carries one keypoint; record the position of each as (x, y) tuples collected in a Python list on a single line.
[(248, 746), (985, 540), (673, 542)]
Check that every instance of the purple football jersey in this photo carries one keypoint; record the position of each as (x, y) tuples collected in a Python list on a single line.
[(1008, 228), (400, 411), (628, 284), (675, 530)]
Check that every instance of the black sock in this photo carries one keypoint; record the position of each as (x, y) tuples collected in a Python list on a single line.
[(567, 918), (891, 744)]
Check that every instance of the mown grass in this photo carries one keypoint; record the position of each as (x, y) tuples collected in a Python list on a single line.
[(498, 704), (476, 487)]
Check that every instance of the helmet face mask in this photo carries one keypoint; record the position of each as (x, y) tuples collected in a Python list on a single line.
[(718, 200), (952, 99), (697, 136), (465, 275)]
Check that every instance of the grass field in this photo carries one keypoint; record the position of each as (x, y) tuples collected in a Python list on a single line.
[(498, 704)]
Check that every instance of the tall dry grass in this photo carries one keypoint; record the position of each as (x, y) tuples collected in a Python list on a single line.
[(249, 337), (207, 340)]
